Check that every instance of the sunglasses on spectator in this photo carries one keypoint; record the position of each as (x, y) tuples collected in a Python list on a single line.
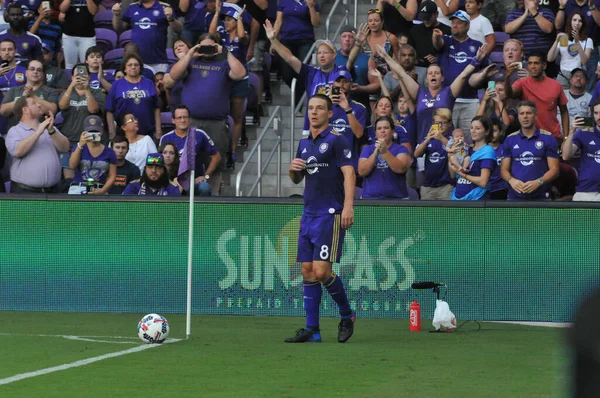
[(154, 160), (374, 11), (130, 120)]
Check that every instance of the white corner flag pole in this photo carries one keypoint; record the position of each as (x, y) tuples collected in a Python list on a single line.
[(188, 316)]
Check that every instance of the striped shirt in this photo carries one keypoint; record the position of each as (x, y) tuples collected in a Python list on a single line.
[(50, 33), (530, 34)]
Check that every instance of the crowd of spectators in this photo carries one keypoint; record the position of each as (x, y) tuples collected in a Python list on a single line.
[(439, 100)]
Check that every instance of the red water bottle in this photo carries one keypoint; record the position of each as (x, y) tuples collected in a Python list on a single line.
[(415, 317)]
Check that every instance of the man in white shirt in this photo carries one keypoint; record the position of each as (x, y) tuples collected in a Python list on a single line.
[(481, 28)]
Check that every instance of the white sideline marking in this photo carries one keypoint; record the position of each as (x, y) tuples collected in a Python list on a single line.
[(81, 362), (67, 336), (79, 338)]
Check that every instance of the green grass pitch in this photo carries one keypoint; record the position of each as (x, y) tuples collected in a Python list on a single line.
[(231, 356)]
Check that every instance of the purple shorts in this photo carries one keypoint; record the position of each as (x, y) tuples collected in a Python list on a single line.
[(320, 238)]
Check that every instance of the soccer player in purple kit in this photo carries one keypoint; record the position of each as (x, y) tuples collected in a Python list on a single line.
[(324, 158), (530, 160)]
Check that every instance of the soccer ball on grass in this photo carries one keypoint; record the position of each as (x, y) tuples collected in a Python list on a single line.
[(153, 329)]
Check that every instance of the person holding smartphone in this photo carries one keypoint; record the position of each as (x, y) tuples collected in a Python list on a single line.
[(586, 140), (11, 73), (77, 103), (94, 163)]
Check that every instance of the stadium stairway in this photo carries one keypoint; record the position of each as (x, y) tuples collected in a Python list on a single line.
[(281, 96)]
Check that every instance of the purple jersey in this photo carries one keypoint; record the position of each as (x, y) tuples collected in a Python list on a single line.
[(409, 122), (109, 76), (149, 30), (29, 46), (235, 47), (436, 164), (454, 58), (529, 160), (384, 183), (136, 188), (195, 17), (296, 20), (203, 81), (589, 165), (204, 144), (325, 155), (339, 121), (496, 181), (96, 168), (16, 77), (317, 82), (139, 99), (426, 106), (464, 186)]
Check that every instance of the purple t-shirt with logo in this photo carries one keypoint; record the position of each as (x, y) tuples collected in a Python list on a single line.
[(109, 76), (16, 77), (325, 155), (296, 20), (384, 183), (589, 165), (436, 164), (529, 160), (339, 121), (426, 106), (29, 46), (96, 168), (206, 89), (464, 186), (454, 58), (149, 30), (139, 99), (496, 181)]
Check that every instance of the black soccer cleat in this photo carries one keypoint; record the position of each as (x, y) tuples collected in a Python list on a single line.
[(305, 336), (346, 328)]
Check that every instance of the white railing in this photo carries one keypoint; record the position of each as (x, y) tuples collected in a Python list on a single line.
[(276, 121)]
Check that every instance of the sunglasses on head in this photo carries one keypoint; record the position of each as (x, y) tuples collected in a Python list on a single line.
[(374, 11), (154, 160)]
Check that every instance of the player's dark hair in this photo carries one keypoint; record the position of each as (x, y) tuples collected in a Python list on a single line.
[(13, 5), (326, 99), (180, 107), (487, 126), (530, 104)]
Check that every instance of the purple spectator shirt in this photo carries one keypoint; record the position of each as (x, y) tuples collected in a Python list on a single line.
[(29, 46), (529, 161), (436, 164), (589, 166), (339, 121), (454, 58), (530, 34), (149, 30), (204, 144), (109, 76), (139, 99), (16, 77), (96, 168), (135, 188), (464, 186), (296, 20), (409, 122), (204, 81), (382, 182), (496, 181), (195, 17), (40, 167), (426, 106)]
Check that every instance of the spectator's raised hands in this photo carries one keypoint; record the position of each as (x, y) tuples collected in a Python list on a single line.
[(490, 70), (376, 73), (431, 59), (381, 52), (116, 9), (168, 13), (481, 52), (311, 3), (531, 7), (562, 3), (381, 146), (218, 7), (269, 30), (361, 35), (437, 33)]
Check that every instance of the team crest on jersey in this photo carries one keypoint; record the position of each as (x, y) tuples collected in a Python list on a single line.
[(32, 2), (472, 49), (19, 77), (204, 73), (323, 147), (155, 13), (322, 90), (25, 45), (136, 100), (539, 144)]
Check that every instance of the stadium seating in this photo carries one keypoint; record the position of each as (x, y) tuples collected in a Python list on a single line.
[(171, 55), (125, 38), (166, 122), (113, 58), (103, 19), (106, 39)]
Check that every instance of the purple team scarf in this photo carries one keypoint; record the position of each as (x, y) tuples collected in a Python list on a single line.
[(188, 160)]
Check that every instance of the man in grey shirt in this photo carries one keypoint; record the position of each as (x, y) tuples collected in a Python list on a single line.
[(34, 147), (47, 96)]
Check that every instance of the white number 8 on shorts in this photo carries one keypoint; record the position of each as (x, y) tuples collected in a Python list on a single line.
[(324, 253)]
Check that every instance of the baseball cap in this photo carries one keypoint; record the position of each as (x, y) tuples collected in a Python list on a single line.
[(341, 73), (46, 47), (579, 70), (348, 29), (427, 9), (155, 159), (230, 10), (463, 16), (93, 124), (329, 44)]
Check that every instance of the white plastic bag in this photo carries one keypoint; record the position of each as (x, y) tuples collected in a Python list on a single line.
[(443, 316)]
